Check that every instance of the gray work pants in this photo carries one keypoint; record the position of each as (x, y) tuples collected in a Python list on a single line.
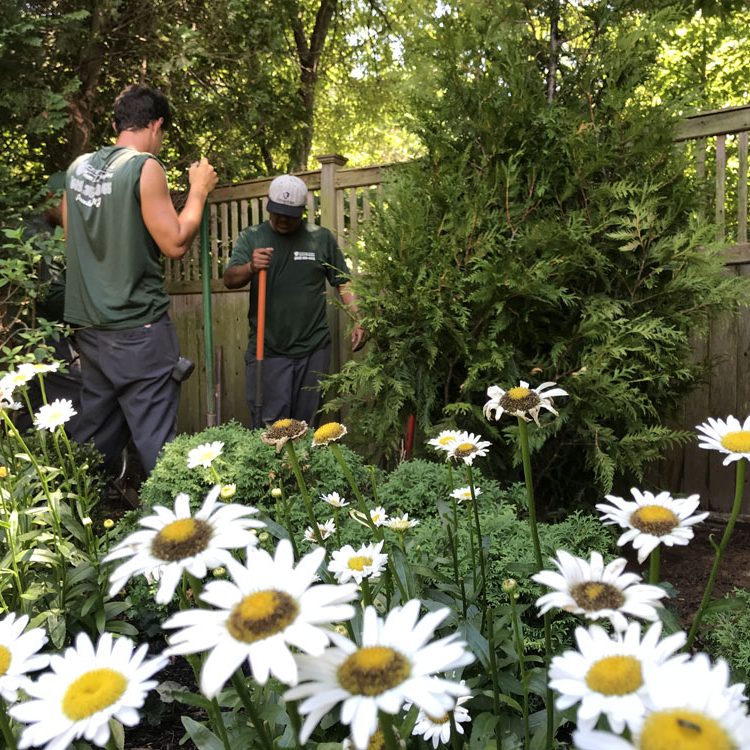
[(290, 386), (128, 389)]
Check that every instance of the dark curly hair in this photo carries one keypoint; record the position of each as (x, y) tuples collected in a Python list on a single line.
[(136, 106)]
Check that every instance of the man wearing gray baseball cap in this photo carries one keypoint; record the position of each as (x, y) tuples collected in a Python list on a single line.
[(299, 258)]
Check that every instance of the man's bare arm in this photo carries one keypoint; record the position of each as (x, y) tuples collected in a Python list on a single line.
[(173, 233), (350, 302), (239, 275)]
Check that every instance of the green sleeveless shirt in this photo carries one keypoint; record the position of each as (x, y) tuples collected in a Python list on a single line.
[(115, 278)]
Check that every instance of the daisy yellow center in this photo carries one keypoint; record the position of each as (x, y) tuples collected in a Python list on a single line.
[(182, 538), (679, 729), (5, 659), (737, 442), (261, 615), (93, 692), (280, 424), (373, 670), (377, 741), (615, 675), (654, 519), (3, 472), (595, 595), (446, 440), (326, 432), (519, 399), (359, 562), (400, 525), (464, 449), (518, 393), (444, 719)]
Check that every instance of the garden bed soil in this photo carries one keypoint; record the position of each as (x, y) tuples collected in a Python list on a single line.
[(688, 568), (685, 568)]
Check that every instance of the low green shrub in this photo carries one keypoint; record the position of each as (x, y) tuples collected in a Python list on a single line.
[(727, 632), (247, 462)]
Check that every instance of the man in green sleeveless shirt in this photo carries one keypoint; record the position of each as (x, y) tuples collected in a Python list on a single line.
[(119, 220), (299, 258)]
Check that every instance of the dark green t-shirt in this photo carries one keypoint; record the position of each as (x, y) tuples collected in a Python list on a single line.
[(115, 277), (296, 323)]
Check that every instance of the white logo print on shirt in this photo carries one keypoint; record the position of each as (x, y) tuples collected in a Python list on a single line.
[(303, 255), (90, 184)]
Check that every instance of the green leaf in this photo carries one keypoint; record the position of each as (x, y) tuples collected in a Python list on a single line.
[(201, 735)]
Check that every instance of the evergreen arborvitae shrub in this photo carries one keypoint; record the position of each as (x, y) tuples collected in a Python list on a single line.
[(537, 240)]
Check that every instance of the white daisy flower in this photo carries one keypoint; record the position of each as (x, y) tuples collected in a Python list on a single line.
[(330, 432), (282, 431), (39, 368), (445, 440), (610, 674), (522, 401), (652, 520), (598, 592), (691, 707), (54, 415), (268, 606), (334, 499), (326, 529), (728, 437), (464, 493), (438, 728), (378, 516), (85, 688), (16, 379), (204, 455), (349, 564), (395, 664), (468, 446), (18, 655), (176, 541), (401, 524)]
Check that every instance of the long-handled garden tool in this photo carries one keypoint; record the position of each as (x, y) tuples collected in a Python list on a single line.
[(260, 334)]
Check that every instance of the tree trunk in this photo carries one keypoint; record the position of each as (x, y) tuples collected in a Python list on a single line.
[(90, 65), (308, 56), (554, 20)]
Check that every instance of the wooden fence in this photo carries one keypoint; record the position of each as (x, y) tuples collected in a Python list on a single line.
[(720, 143), (341, 200)]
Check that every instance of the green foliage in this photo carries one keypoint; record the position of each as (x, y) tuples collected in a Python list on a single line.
[(247, 462), (49, 567), (727, 631), (22, 331), (417, 487), (538, 241)]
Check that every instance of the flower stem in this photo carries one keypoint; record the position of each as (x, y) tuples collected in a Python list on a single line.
[(304, 491), (218, 723), (339, 456), (493, 667), (523, 435), (521, 653), (386, 726), (5, 728), (654, 565), (238, 680), (738, 492), (470, 477)]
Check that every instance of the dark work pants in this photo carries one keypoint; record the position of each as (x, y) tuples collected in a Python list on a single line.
[(290, 386), (128, 389)]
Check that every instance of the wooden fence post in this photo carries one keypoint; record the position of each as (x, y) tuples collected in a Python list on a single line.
[(329, 165)]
